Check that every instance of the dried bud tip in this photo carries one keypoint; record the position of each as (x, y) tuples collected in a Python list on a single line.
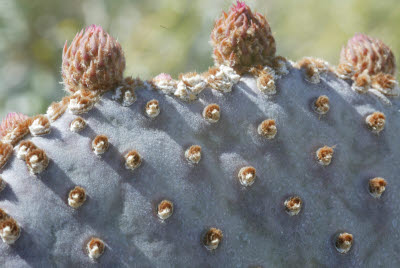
[(165, 209), (212, 238), (240, 5)]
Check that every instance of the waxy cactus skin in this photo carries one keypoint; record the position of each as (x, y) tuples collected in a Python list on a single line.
[(209, 170)]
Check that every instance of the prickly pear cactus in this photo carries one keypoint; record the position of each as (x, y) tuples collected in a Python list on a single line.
[(258, 162)]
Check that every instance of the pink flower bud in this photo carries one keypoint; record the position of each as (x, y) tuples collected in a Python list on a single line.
[(242, 39), (94, 61), (366, 53)]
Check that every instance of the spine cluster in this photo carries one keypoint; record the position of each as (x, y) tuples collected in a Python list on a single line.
[(76, 197), (9, 228), (212, 238)]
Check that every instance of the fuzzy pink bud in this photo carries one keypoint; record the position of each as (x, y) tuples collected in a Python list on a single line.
[(242, 39), (94, 61), (366, 53), (11, 121)]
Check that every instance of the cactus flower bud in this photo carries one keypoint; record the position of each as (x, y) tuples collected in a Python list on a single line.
[(14, 127), (94, 61), (242, 39), (366, 53)]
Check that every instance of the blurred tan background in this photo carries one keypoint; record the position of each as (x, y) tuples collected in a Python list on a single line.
[(166, 36)]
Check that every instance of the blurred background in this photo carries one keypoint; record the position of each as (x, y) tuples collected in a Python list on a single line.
[(166, 36)]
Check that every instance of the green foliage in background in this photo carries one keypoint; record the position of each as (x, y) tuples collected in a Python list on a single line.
[(166, 36)]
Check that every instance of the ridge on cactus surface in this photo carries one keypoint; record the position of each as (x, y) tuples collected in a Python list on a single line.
[(257, 162)]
